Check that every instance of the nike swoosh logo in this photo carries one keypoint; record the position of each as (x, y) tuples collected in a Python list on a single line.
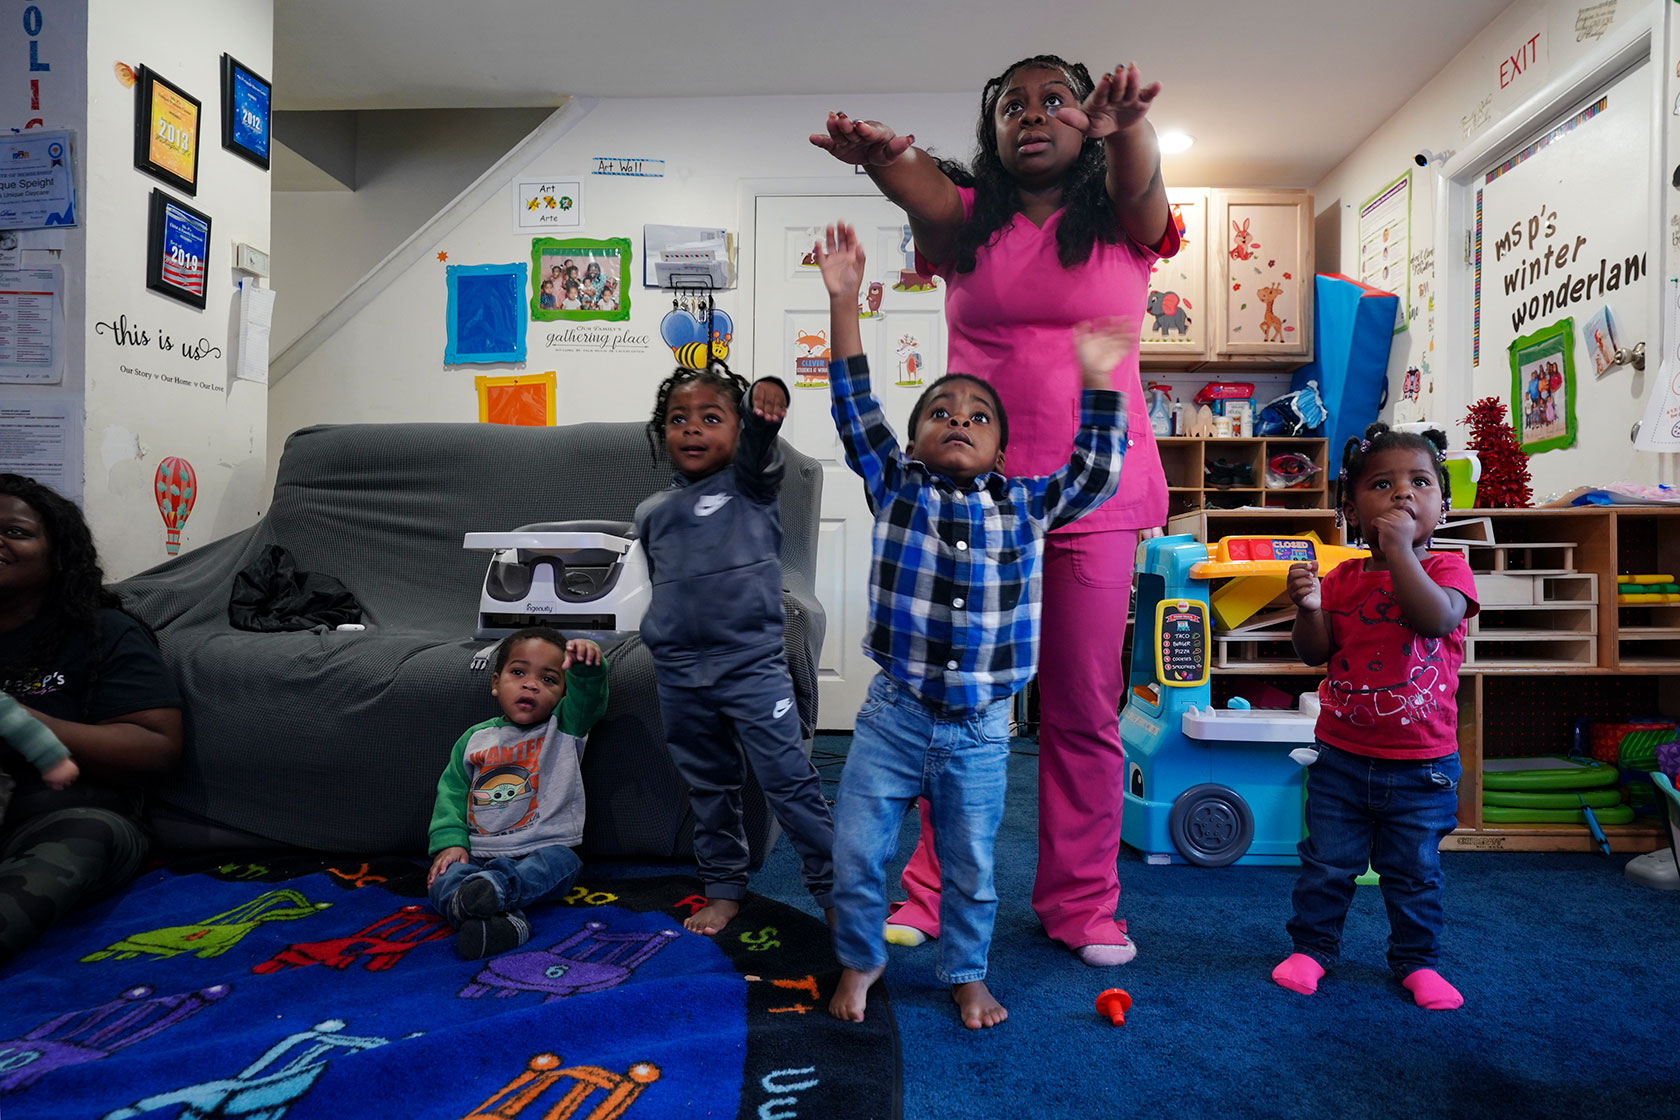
[(710, 504), (782, 707)]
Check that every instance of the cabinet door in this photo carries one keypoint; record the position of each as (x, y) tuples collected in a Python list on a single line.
[(1176, 325), (1262, 259)]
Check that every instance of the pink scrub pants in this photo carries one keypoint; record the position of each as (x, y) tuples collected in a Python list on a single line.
[(1081, 764)]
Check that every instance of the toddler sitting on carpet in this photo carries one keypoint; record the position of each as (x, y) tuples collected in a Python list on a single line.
[(509, 805)]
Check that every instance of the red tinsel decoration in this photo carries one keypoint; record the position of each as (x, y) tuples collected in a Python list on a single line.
[(1504, 483)]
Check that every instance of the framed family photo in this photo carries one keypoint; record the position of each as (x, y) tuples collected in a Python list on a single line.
[(580, 278), (177, 250), (167, 123), (1543, 387), (245, 111)]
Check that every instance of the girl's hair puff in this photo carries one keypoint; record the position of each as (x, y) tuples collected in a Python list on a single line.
[(77, 592), (717, 374), (1088, 215), (1357, 452)]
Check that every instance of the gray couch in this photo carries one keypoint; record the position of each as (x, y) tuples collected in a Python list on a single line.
[(333, 740)]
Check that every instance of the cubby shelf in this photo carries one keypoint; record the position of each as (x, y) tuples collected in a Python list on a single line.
[(1185, 460), (1540, 622)]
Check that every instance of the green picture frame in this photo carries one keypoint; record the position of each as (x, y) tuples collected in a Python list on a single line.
[(1543, 388), (600, 269)]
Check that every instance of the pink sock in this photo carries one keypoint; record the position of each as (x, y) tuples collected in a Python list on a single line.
[(1299, 973), (1431, 991)]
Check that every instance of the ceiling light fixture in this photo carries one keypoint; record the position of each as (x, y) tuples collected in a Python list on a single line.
[(1172, 142)]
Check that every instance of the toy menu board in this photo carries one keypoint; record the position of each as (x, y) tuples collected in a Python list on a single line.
[(1182, 639)]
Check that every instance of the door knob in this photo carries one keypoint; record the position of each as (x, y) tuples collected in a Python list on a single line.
[(1634, 357)]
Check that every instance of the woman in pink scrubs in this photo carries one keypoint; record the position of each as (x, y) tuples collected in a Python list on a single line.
[(1058, 221)]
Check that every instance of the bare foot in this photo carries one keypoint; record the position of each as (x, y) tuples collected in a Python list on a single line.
[(712, 917), (978, 1007), (853, 993)]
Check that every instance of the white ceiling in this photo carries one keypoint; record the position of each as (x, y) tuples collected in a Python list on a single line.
[(1276, 93)]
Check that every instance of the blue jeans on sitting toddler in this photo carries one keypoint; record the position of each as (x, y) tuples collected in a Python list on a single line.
[(1390, 814), (901, 751), (519, 880)]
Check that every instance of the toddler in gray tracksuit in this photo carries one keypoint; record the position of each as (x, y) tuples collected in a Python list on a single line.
[(713, 543)]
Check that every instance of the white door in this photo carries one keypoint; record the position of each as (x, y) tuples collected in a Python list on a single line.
[(1560, 230), (903, 335)]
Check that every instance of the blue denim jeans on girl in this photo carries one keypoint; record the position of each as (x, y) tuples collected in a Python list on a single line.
[(519, 880), (1391, 814), (901, 751)]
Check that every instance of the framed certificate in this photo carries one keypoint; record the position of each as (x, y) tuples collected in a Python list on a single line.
[(166, 128), (177, 250), (245, 110)]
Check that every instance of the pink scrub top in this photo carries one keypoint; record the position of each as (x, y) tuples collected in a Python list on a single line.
[(1010, 321)]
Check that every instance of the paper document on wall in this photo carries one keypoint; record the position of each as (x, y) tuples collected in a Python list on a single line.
[(1660, 429), (31, 326), (256, 316), (41, 439)]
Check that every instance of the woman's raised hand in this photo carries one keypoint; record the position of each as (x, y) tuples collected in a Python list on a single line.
[(1120, 101), (869, 143)]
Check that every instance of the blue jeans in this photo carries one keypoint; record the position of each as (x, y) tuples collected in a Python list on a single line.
[(902, 751), (1392, 815), (519, 880)]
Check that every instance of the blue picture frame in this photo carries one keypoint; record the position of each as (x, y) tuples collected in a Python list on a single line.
[(247, 98), (177, 250), (485, 318)]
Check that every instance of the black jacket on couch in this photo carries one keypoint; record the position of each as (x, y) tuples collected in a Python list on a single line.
[(334, 740)]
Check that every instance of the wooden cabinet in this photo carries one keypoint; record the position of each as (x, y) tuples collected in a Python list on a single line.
[(1240, 291), (1231, 472), (1550, 646), (1179, 319)]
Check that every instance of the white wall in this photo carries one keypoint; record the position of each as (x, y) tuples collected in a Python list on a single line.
[(43, 78), (386, 364), (1462, 103), (408, 166), (193, 409)]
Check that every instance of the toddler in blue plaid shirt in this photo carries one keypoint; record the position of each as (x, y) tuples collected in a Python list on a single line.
[(955, 587)]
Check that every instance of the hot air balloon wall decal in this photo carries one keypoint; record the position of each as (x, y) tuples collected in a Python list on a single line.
[(177, 489)]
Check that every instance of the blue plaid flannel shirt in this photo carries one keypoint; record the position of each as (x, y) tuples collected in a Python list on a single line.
[(956, 575)]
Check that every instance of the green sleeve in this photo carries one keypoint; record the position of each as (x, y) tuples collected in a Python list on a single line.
[(30, 737), (449, 812), (585, 700)]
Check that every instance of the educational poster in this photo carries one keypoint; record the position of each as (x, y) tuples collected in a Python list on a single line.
[(807, 350), (1385, 244), (42, 439), (800, 252), (909, 279), (911, 343), (1543, 387), (548, 204), (31, 327)]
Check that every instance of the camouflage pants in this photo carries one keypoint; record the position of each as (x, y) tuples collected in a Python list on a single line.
[(60, 860)]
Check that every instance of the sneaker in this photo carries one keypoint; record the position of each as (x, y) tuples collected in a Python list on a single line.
[(476, 898), (487, 937)]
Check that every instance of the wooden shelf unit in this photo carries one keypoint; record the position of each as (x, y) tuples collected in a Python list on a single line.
[(1615, 661), (1184, 460)]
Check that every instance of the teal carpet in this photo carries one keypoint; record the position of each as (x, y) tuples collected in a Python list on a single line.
[(1571, 977)]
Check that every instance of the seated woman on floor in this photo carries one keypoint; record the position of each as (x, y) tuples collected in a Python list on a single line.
[(93, 676)]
